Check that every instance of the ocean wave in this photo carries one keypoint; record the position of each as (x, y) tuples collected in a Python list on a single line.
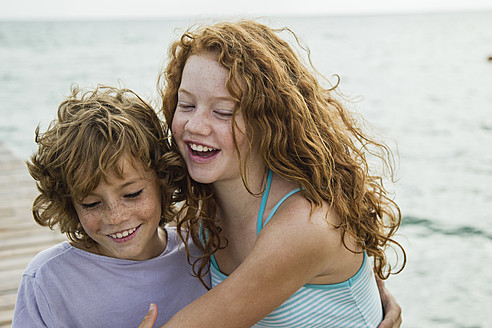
[(432, 226)]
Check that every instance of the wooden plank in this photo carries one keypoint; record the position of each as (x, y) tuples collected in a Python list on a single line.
[(20, 237), (7, 300), (17, 262), (17, 239), (6, 317), (10, 280)]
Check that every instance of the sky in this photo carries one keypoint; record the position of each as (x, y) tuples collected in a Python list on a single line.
[(69, 9)]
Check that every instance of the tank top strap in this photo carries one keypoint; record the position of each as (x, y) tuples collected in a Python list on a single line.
[(202, 235), (264, 198)]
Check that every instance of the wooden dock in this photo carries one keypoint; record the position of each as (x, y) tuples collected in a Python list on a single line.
[(20, 237)]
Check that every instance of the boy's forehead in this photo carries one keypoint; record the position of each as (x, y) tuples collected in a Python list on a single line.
[(126, 166)]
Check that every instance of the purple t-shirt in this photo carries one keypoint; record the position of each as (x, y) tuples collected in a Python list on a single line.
[(64, 286)]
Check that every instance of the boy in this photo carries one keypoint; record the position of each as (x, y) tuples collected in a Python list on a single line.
[(108, 179)]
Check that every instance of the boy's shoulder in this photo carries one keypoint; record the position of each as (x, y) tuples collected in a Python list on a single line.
[(175, 243), (47, 257)]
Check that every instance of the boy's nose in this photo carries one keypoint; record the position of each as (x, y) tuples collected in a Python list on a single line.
[(114, 214)]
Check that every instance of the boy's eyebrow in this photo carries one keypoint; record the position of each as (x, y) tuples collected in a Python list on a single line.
[(133, 181), (123, 185)]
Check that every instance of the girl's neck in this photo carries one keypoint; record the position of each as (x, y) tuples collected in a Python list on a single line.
[(234, 201)]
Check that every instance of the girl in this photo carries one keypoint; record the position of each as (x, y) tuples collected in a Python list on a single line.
[(303, 222)]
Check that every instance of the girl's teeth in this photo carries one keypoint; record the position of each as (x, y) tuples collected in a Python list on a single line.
[(200, 148)]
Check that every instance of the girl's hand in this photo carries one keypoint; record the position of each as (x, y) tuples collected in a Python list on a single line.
[(150, 318), (392, 311)]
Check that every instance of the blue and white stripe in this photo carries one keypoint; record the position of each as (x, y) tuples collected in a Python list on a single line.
[(352, 303)]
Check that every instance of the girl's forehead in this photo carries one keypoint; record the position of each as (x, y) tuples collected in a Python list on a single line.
[(203, 73)]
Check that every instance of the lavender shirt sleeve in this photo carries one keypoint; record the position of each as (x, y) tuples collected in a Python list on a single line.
[(32, 308), (67, 287)]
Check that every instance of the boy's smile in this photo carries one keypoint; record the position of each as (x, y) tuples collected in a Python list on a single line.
[(122, 236), (122, 214)]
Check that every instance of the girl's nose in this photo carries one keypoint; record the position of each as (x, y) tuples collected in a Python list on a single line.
[(198, 123)]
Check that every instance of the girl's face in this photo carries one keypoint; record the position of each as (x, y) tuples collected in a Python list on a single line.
[(122, 215), (202, 123)]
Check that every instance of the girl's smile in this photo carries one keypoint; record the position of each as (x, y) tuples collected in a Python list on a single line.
[(200, 153), (202, 122)]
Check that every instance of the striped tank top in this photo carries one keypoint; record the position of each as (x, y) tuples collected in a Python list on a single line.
[(352, 303)]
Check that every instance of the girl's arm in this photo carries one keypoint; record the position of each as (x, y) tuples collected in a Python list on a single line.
[(392, 311), (287, 254)]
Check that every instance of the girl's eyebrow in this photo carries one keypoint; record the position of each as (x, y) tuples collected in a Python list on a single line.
[(225, 98), (183, 91)]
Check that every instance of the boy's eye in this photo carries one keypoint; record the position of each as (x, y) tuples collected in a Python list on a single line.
[(90, 205), (133, 195)]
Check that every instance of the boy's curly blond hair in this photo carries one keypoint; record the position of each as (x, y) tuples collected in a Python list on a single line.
[(92, 132)]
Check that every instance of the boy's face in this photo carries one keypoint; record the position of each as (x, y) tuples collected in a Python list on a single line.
[(122, 215)]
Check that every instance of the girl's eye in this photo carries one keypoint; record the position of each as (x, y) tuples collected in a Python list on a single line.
[(133, 195), (90, 205), (185, 106), (224, 113)]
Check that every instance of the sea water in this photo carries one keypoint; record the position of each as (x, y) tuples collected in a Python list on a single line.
[(423, 81)]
